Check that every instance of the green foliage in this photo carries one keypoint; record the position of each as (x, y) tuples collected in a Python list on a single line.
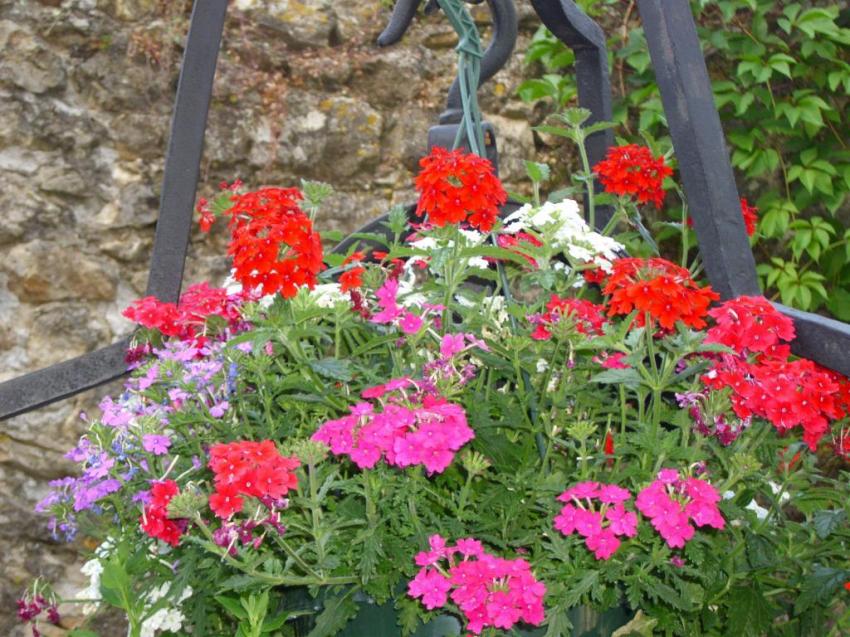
[(781, 78)]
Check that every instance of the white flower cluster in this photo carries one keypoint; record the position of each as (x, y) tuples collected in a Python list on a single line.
[(93, 568), (170, 619), (561, 227), (327, 295), (471, 239), (232, 287), (755, 507)]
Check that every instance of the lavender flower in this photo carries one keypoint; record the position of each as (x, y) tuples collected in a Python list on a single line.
[(156, 444), (218, 409)]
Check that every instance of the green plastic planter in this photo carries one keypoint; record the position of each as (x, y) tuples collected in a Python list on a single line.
[(375, 620)]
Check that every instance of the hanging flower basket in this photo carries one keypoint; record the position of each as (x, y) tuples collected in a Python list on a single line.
[(361, 442)]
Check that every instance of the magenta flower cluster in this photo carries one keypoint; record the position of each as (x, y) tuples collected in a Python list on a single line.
[(489, 591), (598, 513), (671, 503), (403, 426), (391, 312), (30, 608)]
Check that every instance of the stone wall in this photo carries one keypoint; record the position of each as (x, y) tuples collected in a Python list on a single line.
[(86, 89)]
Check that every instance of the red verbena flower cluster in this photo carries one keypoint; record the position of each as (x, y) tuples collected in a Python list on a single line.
[(456, 187), (352, 278), (786, 393), (601, 523), (588, 317), (272, 242), (762, 379), (188, 318), (750, 324), (155, 521), (672, 503), (421, 429), (659, 288), (490, 591), (247, 468), (632, 171)]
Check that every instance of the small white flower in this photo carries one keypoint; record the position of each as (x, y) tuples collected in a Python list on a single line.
[(542, 365), (562, 227), (170, 619), (406, 295), (760, 511), (494, 307), (231, 285), (776, 489), (425, 243), (463, 301), (327, 295)]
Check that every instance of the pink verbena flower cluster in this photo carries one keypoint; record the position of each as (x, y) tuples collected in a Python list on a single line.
[(391, 312), (490, 591), (598, 513), (403, 428), (671, 503)]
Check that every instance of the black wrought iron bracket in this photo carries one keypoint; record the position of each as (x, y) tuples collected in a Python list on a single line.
[(574, 28), (179, 185)]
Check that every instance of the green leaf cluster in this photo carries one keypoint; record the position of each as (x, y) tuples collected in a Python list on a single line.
[(781, 77)]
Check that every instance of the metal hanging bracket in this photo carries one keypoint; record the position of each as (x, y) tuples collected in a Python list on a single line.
[(173, 227)]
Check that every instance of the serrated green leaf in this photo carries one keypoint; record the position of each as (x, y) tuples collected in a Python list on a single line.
[(553, 130), (825, 522), (337, 612), (232, 606), (558, 623), (628, 377), (749, 611), (819, 587), (332, 368), (574, 594), (537, 171)]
